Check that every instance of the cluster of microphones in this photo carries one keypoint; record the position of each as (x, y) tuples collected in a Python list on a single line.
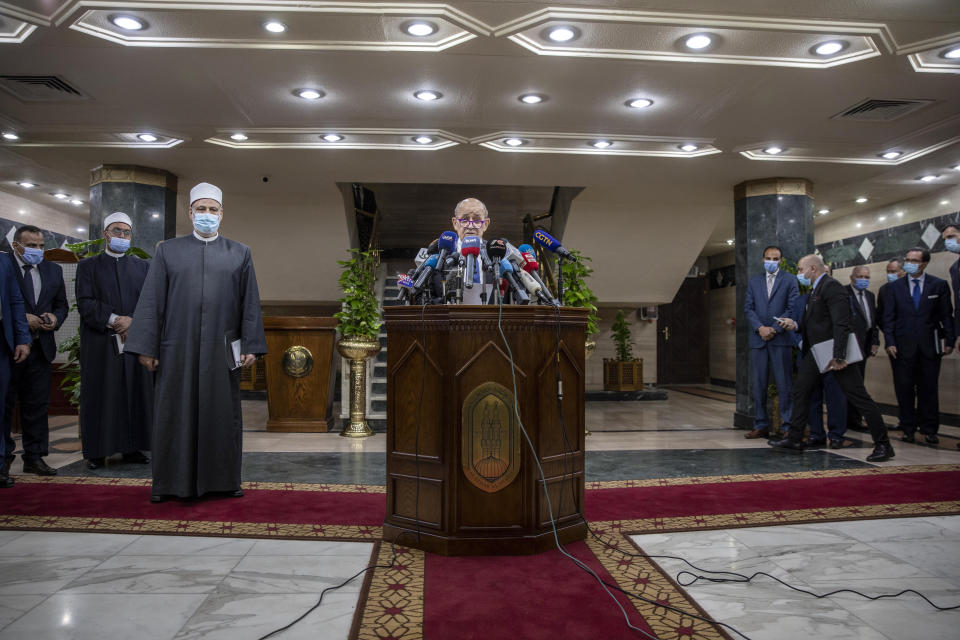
[(442, 274)]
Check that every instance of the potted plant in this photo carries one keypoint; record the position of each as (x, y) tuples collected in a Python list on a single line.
[(577, 294), (359, 324), (623, 373)]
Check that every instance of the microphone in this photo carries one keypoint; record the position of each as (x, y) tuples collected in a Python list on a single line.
[(547, 241), (404, 283), (531, 266), (428, 268), (507, 271), (447, 242), (470, 247), (534, 289), (423, 254), (497, 249)]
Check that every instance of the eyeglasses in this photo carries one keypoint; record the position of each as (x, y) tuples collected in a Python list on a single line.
[(470, 222), (120, 233)]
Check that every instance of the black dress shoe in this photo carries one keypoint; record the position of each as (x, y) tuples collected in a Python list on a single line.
[(157, 498), (908, 437), (5, 480), (787, 444), (135, 457), (96, 463), (236, 494), (815, 444), (756, 433), (882, 451), (38, 467), (932, 439)]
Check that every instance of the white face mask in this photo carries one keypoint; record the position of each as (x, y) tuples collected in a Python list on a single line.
[(206, 222)]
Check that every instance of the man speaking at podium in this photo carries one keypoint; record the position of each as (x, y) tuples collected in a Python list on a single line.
[(470, 220)]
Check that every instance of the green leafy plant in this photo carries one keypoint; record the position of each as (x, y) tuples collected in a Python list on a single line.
[(791, 267), (71, 380), (621, 337), (360, 314), (576, 293)]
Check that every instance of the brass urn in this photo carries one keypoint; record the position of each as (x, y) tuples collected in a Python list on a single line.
[(358, 349)]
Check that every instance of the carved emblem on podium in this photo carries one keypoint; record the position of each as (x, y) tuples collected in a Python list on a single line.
[(490, 455), (297, 361)]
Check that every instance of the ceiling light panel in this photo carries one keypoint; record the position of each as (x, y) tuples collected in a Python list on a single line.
[(587, 143), (335, 26), (303, 138), (76, 137), (665, 36), (908, 148)]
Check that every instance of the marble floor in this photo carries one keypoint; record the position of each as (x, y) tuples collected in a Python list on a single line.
[(72, 585)]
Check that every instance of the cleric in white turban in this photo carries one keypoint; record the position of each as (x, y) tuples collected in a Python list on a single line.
[(197, 322), (116, 394)]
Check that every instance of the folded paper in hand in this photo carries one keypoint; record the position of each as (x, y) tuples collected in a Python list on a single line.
[(823, 352)]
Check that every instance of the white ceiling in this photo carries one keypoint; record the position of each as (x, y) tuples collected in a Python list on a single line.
[(232, 77)]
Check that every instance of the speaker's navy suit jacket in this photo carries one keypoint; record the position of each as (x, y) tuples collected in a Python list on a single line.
[(15, 328), (760, 309)]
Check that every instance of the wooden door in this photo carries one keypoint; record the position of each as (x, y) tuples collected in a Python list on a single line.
[(683, 336)]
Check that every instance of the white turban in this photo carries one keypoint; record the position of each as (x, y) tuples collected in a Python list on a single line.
[(206, 190), (117, 216)]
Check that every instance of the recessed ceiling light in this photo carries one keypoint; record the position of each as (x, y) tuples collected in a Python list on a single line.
[(423, 139), (75, 202), (274, 27), (890, 155), (22, 211), (688, 147), (514, 142), (333, 137), (420, 28), (27, 184), (60, 196), (10, 135), (829, 48), (309, 94), (147, 137), (128, 22), (428, 95), (699, 41), (639, 103), (601, 144), (927, 178), (80, 229), (562, 34), (532, 98), (956, 167), (951, 54), (239, 137), (944, 202), (899, 214), (859, 225), (730, 241), (823, 212), (773, 150), (881, 218), (861, 200)]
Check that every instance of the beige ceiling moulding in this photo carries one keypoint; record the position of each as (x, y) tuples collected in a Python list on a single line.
[(75, 138), (773, 187), (133, 173), (584, 143), (14, 31), (343, 26), (313, 138), (649, 35), (36, 15)]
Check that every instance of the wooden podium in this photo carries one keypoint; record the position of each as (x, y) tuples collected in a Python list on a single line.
[(300, 359), (461, 478)]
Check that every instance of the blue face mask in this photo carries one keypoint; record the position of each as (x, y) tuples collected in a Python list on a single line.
[(952, 245), (206, 222), (803, 279), (119, 245), (862, 283), (32, 256), (771, 266), (892, 277), (911, 267)]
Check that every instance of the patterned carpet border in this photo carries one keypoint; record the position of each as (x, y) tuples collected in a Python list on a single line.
[(146, 482)]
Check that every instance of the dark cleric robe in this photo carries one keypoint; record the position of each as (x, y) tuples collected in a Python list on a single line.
[(198, 296), (116, 392)]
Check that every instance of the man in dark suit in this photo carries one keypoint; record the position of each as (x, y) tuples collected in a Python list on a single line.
[(827, 317), (894, 272), (770, 294), (918, 332), (45, 303), (864, 307), (951, 240), (14, 347)]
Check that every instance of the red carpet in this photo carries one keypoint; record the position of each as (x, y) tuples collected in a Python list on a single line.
[(543, 597)]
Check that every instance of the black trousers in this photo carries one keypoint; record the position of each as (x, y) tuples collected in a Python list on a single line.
[(854, 419), (29, 383), (850, 380), (915, 381)]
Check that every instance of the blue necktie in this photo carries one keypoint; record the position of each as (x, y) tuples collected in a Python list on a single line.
[(916, 294), (28, 284)]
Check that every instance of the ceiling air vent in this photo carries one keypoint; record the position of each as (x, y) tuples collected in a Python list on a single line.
[(41, 89), (872, 110)]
